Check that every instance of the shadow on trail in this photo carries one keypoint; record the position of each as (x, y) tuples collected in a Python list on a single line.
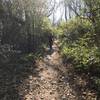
[(13, 79), (81, 83), (78, 84)]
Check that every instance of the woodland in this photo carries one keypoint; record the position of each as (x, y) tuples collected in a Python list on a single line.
[(30, 70)]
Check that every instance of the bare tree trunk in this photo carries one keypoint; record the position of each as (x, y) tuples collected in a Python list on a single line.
[(65, 11)]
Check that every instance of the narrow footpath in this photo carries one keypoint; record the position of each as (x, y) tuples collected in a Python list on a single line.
[(55, 81)]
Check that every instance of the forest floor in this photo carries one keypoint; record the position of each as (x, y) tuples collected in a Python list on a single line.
[(50, 79)]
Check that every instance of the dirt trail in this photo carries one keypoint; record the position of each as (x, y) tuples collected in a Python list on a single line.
[(50, 84), (53, 81), (48, 79)]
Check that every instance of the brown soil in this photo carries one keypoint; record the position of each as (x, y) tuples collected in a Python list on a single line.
[(49, 80)]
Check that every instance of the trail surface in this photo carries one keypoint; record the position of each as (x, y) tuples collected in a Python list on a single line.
[(50, 84), (48, 79), (55, 81)]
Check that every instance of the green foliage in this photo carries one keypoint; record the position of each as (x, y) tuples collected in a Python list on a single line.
[(82, 56), (74, 29), (27, 58), (46, 24), (78, 44)]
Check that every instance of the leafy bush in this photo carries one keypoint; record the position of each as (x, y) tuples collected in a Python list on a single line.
[(7, 54), (82, 56), (75, 29), (78, 44)]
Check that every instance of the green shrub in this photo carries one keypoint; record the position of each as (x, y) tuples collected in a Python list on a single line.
[(83, 56), (78, 44)]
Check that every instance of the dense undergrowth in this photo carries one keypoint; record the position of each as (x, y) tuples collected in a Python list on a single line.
[(78, 46)]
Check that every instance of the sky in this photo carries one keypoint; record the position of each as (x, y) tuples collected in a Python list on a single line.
[(58, 12)]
